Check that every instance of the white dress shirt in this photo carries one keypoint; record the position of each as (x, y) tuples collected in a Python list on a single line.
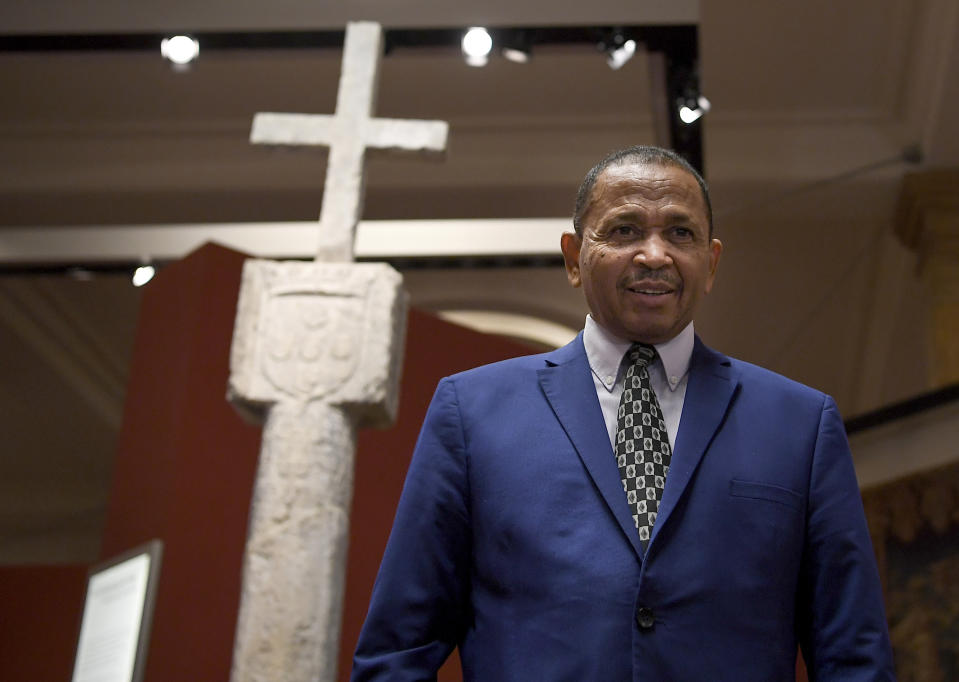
[(668, 375)]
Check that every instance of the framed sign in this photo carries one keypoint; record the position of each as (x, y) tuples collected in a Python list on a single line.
[(117, 613)]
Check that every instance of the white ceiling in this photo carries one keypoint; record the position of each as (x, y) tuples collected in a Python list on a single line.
[(812, 283)]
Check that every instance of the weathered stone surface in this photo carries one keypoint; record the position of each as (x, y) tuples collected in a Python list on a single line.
[(317, 351), (319, 331), (348, 134), (293, 577)]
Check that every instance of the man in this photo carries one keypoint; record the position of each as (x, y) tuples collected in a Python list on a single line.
[(553, 531)]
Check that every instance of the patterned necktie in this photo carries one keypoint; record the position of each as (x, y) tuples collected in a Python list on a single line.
[(642, 444)]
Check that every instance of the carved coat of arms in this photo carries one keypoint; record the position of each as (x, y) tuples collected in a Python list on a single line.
[(310, 348)]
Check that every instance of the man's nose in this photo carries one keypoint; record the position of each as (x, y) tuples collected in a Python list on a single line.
[(653, 252)]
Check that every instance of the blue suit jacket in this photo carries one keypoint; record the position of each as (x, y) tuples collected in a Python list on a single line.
[(513, 539)]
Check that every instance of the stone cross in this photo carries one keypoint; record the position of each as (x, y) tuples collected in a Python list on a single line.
[(348, 134), (316, 354)]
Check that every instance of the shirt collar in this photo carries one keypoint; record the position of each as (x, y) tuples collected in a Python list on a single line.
[(605, 353)]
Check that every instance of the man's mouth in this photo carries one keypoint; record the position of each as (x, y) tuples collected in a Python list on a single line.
[(651, 289)]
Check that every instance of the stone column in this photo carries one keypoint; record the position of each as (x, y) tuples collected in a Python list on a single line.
[(316, 354), (928, 223)]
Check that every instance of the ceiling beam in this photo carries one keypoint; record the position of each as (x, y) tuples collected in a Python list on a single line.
[(375, 240), (122, 16)]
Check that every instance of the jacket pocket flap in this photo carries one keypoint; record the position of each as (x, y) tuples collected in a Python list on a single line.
[(765, 491)]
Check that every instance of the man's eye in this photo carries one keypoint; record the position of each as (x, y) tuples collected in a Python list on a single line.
[(683, 232), (623, 230)]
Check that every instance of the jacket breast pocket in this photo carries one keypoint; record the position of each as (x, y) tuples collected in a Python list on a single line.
[(766, 526), (755, 490)]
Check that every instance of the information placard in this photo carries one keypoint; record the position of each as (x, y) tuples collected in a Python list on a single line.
[(115, 629)]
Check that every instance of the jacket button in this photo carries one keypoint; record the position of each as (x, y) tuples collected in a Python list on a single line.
[(645, 617)]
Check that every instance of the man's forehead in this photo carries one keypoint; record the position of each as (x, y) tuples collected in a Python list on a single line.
[(645, 175), (647, 181)]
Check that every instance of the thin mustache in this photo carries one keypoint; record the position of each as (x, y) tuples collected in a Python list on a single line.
[(646, 276)]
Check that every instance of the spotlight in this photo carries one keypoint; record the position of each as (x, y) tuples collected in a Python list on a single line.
[(517, 54), (692, 109), (517, 49), (476, 46), (618, 49), (180, 50), (143, 274)]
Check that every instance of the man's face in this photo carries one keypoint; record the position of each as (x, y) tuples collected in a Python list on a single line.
[(645, 258)]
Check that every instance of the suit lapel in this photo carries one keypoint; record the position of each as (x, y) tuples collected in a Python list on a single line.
[(568, 385), (709, 392)]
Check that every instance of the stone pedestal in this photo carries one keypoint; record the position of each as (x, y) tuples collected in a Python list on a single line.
[(316, 353), (928, 223)]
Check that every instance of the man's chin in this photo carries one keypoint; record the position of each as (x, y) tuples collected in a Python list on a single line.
[(650, 334), (653, 329)]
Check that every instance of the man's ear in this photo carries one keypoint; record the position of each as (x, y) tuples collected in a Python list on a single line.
[(715, 251), (570, 244)]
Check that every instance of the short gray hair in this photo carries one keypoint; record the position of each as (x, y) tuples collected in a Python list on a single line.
[(643, 155)]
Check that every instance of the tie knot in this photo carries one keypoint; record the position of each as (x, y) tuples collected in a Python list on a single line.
[(641, 354)]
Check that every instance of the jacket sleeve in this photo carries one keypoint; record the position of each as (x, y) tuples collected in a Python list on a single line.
[(419, 606), (841, 621)]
